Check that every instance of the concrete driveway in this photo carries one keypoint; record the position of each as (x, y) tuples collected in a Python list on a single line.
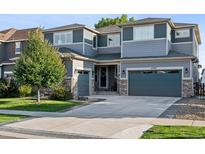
[(116, 117), (125, 106)]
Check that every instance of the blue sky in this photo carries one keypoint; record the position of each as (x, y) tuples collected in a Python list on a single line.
[(49, 20)]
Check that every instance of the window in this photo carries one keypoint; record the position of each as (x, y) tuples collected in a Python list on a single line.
[(62, 38), (94, 41), (113, 40), (182, 33), (88, 35), (143, 33), (18, 47)]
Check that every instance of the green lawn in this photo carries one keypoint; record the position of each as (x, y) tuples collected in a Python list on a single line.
[(174, 132), (30, 105), (9, 118)]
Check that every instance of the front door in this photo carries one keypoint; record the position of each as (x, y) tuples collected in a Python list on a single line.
[(103, 76)]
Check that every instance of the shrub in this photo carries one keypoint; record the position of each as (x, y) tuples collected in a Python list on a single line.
[(8, 88), (25, 90), (60, 93)]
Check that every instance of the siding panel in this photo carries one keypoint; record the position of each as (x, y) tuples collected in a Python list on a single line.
[(144, 48)]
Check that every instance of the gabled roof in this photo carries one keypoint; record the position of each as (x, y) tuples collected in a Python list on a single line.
[(146, 21), (68, 27), (14, 34), (21, 34), (109, 29)]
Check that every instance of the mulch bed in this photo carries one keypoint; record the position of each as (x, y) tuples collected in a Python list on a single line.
[(186, 108)]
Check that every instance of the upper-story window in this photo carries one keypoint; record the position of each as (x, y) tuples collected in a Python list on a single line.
[(62, 38), (143, 32), (17, 47), (182, 33), (113, 40)]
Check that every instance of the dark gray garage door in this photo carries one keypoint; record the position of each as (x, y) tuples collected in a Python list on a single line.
[(83, 83), (155, 83)]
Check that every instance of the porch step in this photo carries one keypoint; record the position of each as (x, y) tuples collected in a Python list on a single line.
[(107, 93)]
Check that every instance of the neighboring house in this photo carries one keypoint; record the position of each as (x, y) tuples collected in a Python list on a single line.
[(12, 42), (149, 57)]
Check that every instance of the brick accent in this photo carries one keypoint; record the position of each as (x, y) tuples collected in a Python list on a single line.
[(123, 84), (187, 88)]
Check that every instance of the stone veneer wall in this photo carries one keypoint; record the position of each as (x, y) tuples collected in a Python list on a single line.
[(187, 88), (123, 84), (93, 92)]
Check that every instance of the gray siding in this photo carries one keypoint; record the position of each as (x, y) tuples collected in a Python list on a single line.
[(176, 40), (144, 48), (109, 50), (77, 35), (186, 48), (89, 51), (127, 33), (102, 40), (160, 30), (184, 64), (76, 47), (1, 51)]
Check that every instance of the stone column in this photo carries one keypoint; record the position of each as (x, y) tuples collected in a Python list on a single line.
[(123, 85), (187, 88)]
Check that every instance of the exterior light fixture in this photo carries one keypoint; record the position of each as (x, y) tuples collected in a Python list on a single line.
[(186, 70)]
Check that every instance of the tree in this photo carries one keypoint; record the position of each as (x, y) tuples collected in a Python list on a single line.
[(40, 64), (109, 21)]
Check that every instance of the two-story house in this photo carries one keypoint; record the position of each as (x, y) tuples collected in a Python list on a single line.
[(12, 42), (148, 57)]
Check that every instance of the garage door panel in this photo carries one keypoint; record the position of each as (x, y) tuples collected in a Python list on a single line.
[(153, 84), (83, 84)]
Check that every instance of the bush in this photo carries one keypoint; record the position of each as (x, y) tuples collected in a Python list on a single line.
[(60, 93), (8, 88), (25, 90)]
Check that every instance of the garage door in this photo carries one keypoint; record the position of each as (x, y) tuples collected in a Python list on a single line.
[(155, 83), (83, 83)]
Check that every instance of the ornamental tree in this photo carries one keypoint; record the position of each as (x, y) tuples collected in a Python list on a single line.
[(40, 64)]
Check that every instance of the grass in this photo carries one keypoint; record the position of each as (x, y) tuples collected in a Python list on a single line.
[(8, 118), (174, 132), (27, 104)]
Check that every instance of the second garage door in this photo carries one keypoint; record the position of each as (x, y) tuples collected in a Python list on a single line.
[(155, 83)]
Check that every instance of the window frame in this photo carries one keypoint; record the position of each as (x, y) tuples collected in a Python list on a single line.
[(108, 37), (64, 32), (19, 43), (143, 26), (182, 30)]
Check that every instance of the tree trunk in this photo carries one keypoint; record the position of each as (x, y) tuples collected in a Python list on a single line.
[(38, 96)]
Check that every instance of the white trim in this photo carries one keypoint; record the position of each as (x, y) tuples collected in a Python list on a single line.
[(182, 42), (106, 77), (167, 47), (107, 64), (155, 39), (19, 40), (110, 47), (7, 64)]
